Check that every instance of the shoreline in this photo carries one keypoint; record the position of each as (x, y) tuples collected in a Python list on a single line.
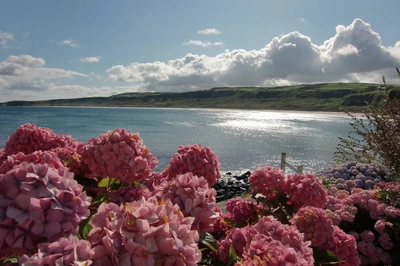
[(330, 113)]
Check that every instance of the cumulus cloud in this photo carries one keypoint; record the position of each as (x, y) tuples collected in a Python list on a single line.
[(92, 59), (29, 74), (354, 54), (211, 31), (203, 44), (5, 38), (70, 43)]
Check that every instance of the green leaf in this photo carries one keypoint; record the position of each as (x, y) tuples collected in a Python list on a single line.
[(325, 257), (233, 256), (84, 228), (209, 241), (105, 182), (10, 259)]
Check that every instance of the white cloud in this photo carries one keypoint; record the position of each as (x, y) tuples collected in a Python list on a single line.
[(28, 74), (5, 38), (211, 31), (203, 44), (92, 59), (68, 43), (95, 76), (354, 54), (303, 20)]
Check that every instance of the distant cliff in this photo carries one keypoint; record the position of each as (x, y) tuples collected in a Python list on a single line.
[(315, 97)]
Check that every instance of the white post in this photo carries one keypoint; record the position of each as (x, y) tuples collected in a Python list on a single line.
[(300, 169)]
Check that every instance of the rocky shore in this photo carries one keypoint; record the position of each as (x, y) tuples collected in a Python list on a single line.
[(232, 184), (347, 176)]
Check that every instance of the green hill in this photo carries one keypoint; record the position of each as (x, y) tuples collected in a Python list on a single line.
[(309, 97)]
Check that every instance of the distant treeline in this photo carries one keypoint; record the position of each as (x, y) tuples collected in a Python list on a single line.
[(334, 97)]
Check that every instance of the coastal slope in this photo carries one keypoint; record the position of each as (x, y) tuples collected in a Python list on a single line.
[(333, 97)]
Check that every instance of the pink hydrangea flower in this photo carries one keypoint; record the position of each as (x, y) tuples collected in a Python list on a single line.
[(194, 197), (369, 253), (385, 241), (344, 247), (367, 236), (145, 232), (306, 190), (39, 203), (129, 194), (237, 238), (381, 224), (222, 225), (37, 157), (198, 160), (266, 238), (29, 138), (268, 181), (271, 252), (243, 212), (392, 211), (119, 154), (154, 181), (66, 251), (3, 156), (361, 197), (314, 223)]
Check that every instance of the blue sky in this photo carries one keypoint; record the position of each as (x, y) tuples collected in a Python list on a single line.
[(69, 49)]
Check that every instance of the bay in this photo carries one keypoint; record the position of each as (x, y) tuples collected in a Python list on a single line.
[(242, 139)]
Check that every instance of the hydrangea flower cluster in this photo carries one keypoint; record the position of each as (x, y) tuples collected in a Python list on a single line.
[(369, 253), (268, 181), (129, 194), (194, 197), (66, 251), (306, 190), (301, 190), (363, 207), (29, 138), (268, 240), (145, 232), (3, 155), (119, 154), (38, 203), (154, 181), (314, 223), (354, 175), (37, 157), (198, 160), (243, 212), (319, 229), (344, 246)]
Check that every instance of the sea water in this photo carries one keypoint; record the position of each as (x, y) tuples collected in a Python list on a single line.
[(242, 139)]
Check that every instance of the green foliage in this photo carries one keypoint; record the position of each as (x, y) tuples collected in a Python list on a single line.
[(376, 137), (209, 241), (305, 97), (84, 228), (10, 260), (324, 257), (377, 140), (232, 254)]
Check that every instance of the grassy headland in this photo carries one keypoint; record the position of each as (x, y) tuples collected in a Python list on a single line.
[(332, 97)]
